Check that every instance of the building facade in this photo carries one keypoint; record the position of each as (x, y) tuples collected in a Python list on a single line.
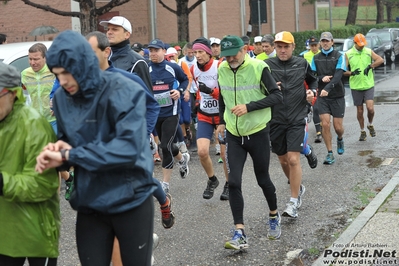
[(149, 19)]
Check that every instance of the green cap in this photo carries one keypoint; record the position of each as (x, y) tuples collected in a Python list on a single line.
[(230, 45)]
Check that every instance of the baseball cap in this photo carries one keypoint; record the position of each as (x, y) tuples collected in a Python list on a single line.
[(313, 40), (156, 43), (10, 77), (178, 48), (245, 39), (119, 21), (285, 37), (230, 45), (326, 36), (258, 39), (360, 40), (213, 40), (137, 47), (171, 51)]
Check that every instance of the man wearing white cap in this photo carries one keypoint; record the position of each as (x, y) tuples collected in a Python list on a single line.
[(258, 45), (215, 46), (119, 30)]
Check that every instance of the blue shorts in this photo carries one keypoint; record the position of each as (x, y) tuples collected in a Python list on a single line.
[(205, 130)]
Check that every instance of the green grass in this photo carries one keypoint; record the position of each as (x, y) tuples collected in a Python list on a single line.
[(366, 15)]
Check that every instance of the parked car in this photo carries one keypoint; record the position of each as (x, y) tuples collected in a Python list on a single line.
[(376, 44), (16, 54), (390, 37), (343, 45)]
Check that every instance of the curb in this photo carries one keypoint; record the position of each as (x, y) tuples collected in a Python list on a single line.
[(361, 220)]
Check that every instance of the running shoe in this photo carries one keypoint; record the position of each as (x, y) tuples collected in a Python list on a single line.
[(363, 135), (157, 158), (318, 137), (225, 193), (220, 160), (168, 218), (329, 159), (217, 146), (291, 210), (274, 231), (371, 130), (340, 146), (239, 241), (302, 190), (312, 158), (183, 166), (210, 189)]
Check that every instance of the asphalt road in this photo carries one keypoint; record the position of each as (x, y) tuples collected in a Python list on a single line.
[(334, 196)]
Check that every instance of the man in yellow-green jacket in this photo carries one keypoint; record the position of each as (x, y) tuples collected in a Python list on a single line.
[(29, 201), (361, 61), (38, 81), (247, 93)]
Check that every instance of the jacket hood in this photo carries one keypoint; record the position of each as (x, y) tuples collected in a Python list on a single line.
[(71, 51)]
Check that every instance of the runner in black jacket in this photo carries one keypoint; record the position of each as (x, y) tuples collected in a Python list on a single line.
[(119, 30), (288, 127)]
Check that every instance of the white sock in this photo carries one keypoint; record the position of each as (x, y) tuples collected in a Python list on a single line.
[(294, 200)]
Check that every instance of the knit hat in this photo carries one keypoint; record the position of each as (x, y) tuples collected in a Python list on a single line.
[(202, 44)]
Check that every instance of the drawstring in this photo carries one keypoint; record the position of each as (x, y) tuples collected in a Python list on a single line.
[(242, 139), (46, 262)]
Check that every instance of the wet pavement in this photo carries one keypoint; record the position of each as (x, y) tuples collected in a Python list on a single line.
[(335, 196)]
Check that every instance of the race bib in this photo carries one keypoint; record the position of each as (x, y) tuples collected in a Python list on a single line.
[(163, 99), (209, 104)]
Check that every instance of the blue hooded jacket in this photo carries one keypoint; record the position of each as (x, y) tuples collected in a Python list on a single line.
[(105, 124)]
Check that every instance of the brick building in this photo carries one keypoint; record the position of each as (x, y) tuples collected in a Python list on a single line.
[(222, 17)]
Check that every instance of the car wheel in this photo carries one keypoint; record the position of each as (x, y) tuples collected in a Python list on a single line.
[(393, 56)]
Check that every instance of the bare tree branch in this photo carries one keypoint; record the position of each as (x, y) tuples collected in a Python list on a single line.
[(168, 8), (195, 5), (53, 10), (109, 6)]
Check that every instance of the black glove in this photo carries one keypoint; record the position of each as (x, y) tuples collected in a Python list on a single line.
[(366, 71), (205, 89), (356, 72)]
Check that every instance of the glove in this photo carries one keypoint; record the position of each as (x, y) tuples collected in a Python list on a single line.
[(205, 89), (366, 71), (356, 72)]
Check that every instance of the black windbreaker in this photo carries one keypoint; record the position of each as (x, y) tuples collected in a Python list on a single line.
[(292, 74)]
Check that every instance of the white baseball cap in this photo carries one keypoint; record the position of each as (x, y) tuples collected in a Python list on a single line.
[(119, 21), (258, 39), (213, 40)]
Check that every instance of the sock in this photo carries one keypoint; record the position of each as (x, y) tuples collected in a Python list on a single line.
[(213, 178), (309, 152), (294, 200), (167, 201), (329, 151), (362, 129), (273, 216), (369, 124), (227, 183), (182, 159), (340, 139), (242, 231)]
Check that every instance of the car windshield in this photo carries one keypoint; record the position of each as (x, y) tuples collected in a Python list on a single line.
[(384, 35)]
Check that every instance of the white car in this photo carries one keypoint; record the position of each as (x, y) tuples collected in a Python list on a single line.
[(16, 54)]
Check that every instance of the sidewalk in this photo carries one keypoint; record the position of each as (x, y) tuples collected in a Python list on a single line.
[(373, 237)]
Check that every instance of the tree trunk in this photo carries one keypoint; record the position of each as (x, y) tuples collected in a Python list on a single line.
[(389, 7), (254, 24), (352, 11), (380, 11), (182, 21)]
